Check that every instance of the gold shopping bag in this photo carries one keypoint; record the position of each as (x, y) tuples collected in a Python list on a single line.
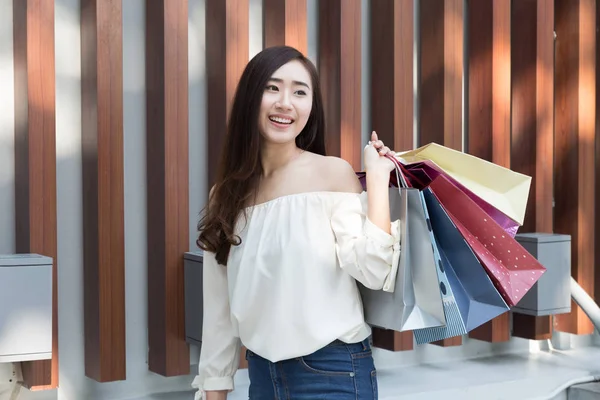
[(500, 187)]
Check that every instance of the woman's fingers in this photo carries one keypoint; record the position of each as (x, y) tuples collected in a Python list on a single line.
[(384, 150), (374, 137), (378, 144), (381, 148)]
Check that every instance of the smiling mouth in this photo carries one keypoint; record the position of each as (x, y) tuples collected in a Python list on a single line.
[(280, 120)]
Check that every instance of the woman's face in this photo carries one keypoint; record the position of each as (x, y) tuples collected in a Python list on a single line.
[(286, 103)]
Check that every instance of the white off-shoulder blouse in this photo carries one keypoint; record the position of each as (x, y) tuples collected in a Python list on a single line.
[(290, 288)]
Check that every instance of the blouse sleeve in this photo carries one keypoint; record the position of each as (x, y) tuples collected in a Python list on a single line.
[(220, 351), (365, 251)]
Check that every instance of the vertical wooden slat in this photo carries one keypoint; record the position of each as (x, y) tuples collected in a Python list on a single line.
[(544, 166), (440, 85), (392, 101), (285, 24), (103, 225), (494, 331), (501, 89), (392, 340), (227, 54), (574, 145), (533, 127), (340, 72), (531, 327), (432, 72), (35, 156), (489, 80), (440, 82), (489, 106), (480, 36), (453, 72), (167, 182), (392, 92)]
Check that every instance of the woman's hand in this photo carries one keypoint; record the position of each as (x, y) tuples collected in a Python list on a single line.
[(375, 157), (378, 168)]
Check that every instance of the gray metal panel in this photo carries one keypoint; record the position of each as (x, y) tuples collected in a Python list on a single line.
[(11, 260), (552, 293), (192, 264), (542, 237), (25, 312), (193, 256)]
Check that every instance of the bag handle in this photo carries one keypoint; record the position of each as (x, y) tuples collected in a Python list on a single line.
[(404, 172), (400, 177)]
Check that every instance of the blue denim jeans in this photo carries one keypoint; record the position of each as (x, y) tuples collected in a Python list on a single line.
[(339, 371)]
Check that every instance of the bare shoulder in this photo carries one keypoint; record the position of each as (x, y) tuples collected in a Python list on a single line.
[(340, 175)]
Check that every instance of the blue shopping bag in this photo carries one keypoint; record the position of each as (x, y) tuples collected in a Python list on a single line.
[(454, 324), (477, 299)]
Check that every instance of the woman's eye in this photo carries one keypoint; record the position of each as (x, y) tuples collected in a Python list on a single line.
[(301, 93), (272, 87)]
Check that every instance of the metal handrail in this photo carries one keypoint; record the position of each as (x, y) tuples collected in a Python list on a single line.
[(587, 304)]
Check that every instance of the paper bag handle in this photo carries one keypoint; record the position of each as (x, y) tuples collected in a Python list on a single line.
[(403, 171)]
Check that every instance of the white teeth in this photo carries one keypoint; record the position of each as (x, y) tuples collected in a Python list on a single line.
[(281, 120)]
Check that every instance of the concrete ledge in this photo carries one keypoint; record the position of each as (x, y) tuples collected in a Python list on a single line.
[(586, 391)]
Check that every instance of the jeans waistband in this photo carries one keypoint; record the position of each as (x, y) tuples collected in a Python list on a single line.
[(364, 343)]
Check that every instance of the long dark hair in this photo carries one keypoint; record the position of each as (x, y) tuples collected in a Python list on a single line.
[(240, 167)]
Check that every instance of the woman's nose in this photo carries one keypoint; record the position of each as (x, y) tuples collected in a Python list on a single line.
[(284, 101), (283, 105)]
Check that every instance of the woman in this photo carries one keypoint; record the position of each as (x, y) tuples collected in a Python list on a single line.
[(286, 236)]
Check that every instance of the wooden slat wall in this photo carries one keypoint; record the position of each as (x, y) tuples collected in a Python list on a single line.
[(167, 182), (532, 150), (527, 110), (340, 72), (574, 145), (441, 73), (35, 156), (227, 54), (103, 208), (285, 24), (392, 100), (489, 88)]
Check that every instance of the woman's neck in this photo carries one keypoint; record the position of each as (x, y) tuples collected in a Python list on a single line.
[(276, 156)]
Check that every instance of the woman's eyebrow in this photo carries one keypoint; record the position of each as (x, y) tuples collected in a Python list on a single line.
[(300, 83)]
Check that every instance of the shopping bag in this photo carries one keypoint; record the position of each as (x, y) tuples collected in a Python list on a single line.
[(477, 298), (454, 323), (500, 187), (416, 301), (512, 268), (426, 171)]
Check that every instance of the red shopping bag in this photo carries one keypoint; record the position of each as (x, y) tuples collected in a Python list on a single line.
[(512, 269)]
